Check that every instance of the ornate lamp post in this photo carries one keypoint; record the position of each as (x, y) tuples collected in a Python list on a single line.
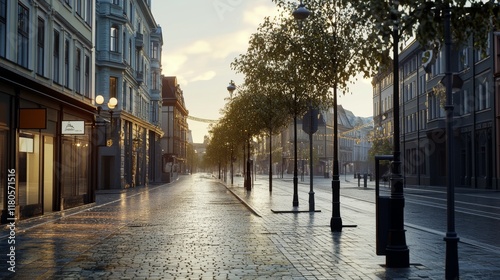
[(451, 238), (300, 14), (397, 252), (112, 102), (99, 101), (231, 88)]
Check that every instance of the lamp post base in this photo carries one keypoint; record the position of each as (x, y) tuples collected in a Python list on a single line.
[(336, 224), (311, 201), (397, 257), (336, 220), (295, 195), (451, 270)]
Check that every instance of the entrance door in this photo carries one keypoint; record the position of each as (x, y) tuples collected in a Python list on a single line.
[(48, 174), (107, 172)]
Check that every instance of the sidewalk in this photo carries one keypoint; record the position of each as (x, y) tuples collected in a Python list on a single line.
[(196, 229), (103, 197), (351, 253)]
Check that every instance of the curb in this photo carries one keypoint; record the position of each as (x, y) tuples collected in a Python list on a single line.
[(253, 210)]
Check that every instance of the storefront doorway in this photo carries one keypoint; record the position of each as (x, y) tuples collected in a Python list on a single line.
[(48, 174)]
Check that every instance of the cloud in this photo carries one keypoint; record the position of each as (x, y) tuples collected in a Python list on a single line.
[(174, 62), (204, 76), (199, 47)]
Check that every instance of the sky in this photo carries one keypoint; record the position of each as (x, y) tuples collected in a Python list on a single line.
[(200, 40)]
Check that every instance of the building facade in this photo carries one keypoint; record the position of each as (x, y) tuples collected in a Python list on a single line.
[(175, 142), (46, 106), (422, 117), (128, 68)]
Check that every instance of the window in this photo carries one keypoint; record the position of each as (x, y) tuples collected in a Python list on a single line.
[(435, 108), (130, 51), (78, 7), (483, 95), (28, 169), (22, 35), (464, 59), (131, 12), (124, 97), (116, 2), (78, 67), (3, 27), (87, 76), (66, 63), (40, 65), (466, 102), (56, 56), (113, 44), (154, 50), (422, 84), (88, 12), (154, 112), (113, 86), (130, 96), (155, 80), (75, 165), (124, 46)]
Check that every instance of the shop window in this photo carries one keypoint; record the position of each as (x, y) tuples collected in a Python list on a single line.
[(75, 166), (28, 170)]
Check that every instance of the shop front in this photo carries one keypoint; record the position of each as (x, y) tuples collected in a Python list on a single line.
[(45, 150)]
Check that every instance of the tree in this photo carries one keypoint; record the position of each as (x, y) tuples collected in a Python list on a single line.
[(380, 146), (424, 21)]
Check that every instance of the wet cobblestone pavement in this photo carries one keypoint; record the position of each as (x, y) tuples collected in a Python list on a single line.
[(197, 228)]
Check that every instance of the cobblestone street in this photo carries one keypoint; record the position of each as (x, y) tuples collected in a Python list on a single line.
[(197, 228)]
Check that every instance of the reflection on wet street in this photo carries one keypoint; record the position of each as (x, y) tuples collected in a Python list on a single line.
[(191, 228)]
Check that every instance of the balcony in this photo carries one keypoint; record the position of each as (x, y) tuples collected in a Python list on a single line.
[(139, 76), (139, 40)]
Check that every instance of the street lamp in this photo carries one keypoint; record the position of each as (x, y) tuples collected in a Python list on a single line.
[(99, 100), (112, 102), (230, 88), (397, 252), (300, 14), (450, 81)]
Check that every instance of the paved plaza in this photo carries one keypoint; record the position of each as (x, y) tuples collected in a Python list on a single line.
[(199, 228)]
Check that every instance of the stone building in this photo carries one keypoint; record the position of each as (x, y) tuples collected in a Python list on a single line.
[(46, 106), (475, 118), (175, 141), (128, 68)]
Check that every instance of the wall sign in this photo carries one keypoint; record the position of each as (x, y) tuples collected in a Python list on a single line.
[(73, 127)]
